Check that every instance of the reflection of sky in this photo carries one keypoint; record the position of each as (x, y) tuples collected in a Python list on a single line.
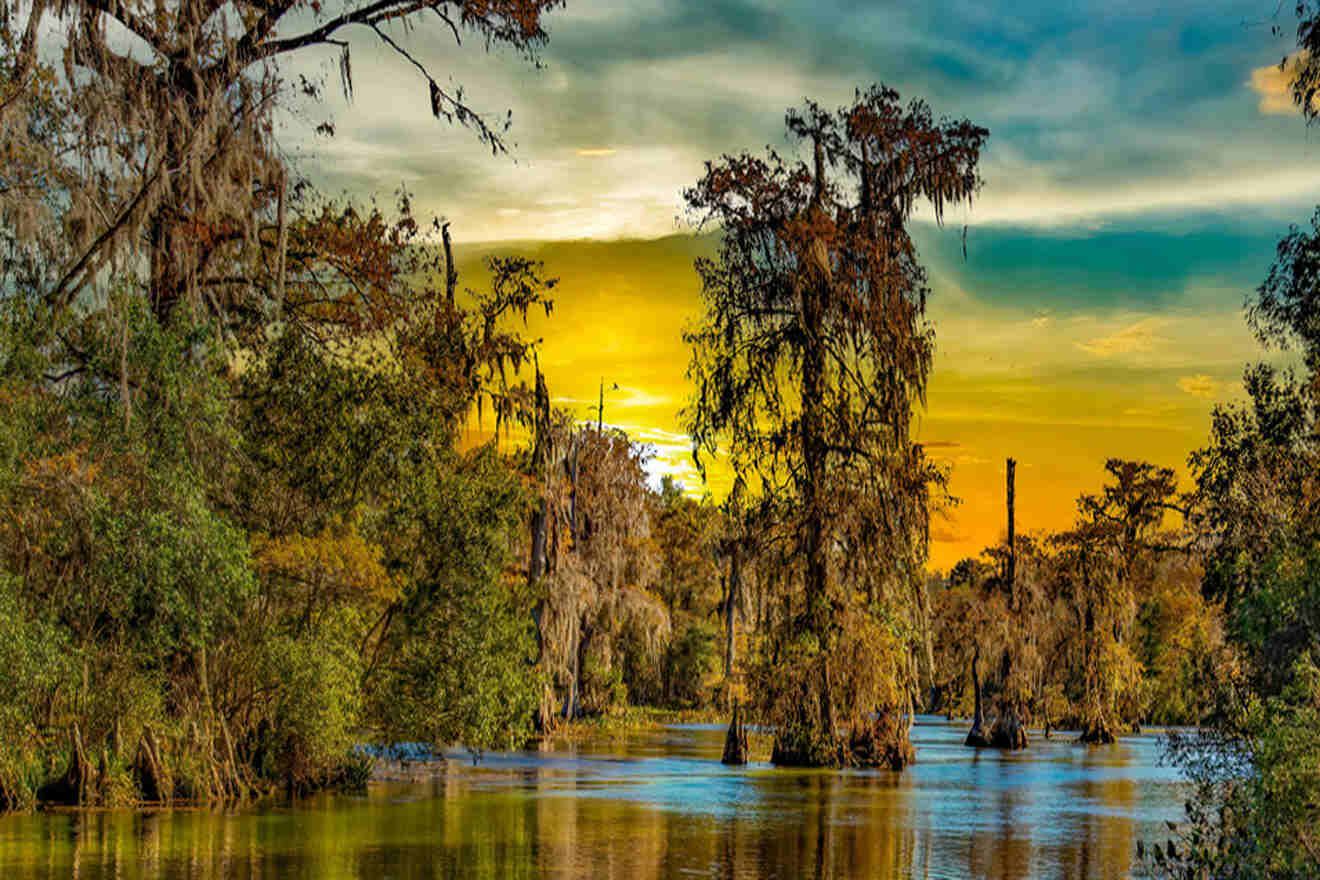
[(1054, 806), (1143, 160), (648, 805)]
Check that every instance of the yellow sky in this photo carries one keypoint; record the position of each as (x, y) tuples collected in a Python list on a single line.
[(1059, 393)]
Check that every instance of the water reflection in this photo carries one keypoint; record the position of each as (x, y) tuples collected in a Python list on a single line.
[(654, 805)]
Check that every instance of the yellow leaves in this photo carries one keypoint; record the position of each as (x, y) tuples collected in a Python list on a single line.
[(337, 565)]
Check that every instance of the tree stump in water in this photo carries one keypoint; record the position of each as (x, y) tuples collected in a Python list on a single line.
[(883, 742), (153, 778), (735, 743), (1008, 731), (78, 785), (1096, 734), (976, 737)]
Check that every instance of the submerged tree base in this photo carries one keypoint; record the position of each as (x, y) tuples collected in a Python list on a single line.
[(735, 743), (884, 742), (879, 742), (1096, 734), (799, 746), (1008, 732)]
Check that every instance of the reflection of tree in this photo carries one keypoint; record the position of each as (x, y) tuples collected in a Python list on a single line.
[(538, 820), (1004, 849)]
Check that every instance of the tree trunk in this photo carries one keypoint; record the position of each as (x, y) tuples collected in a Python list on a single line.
[(1096, 733), (883, 741), (570, 700), (735, 742), (1095, 728), (1010, 497), (809, 738), (537, 558), (813, 739), (536, 561), (976, 736), (1009, 730), (153, 779), (731, 599)]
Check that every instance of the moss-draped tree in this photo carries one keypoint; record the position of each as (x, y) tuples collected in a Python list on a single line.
[(812, 354), (153, 149)]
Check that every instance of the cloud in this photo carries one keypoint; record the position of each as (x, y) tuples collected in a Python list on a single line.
[(1088, 123), (947, 534), (1160, 411), (1134, 339), (1273, 83), (1201, 385)]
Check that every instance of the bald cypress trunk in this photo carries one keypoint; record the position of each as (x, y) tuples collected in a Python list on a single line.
[(976, 736), (731, 600), (811, 739), (735, 742), (1009, 730)]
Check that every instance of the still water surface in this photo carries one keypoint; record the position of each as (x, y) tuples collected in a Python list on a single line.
[(655, 804)]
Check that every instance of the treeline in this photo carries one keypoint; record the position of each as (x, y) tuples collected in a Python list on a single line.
[(1100, 628)]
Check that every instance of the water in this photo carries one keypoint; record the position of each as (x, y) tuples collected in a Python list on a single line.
[(655, 804)]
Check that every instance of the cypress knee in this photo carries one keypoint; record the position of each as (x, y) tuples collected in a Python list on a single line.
[(735, 742)]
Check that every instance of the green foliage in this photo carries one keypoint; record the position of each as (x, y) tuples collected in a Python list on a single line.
[(223, 571), (1255, 810), (692, 659), (602, 689), (316, 715), (458, 667), (1256, 805), (35, 665)]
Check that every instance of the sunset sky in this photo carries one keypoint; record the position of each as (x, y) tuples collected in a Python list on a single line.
[(1141, 167)]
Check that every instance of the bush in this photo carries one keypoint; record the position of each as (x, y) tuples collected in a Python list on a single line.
[(693, 659)]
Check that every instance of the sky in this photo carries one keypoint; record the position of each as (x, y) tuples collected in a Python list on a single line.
[(1142, 164)]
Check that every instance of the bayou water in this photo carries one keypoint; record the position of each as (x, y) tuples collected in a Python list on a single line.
[(655, 804)]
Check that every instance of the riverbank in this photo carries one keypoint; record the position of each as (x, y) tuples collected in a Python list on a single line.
[(629, 720)]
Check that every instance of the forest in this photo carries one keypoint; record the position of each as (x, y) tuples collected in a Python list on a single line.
[(246, 538)]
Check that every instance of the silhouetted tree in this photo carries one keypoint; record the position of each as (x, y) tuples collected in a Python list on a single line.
[(812, 354)]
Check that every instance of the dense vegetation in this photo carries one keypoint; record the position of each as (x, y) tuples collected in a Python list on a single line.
[(242, 531), (1107, 622)]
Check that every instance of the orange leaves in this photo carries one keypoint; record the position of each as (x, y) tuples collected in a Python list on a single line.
[(209, 234), (71, 469), (517, 22)]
